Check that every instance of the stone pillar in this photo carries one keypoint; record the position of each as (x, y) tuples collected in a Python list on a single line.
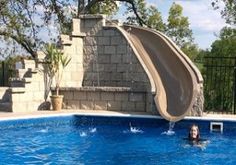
[(73, 48), (90, 23)]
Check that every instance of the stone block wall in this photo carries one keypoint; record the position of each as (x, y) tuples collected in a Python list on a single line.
[(110, 61), (104, 98), (73, 46), (106, 66)]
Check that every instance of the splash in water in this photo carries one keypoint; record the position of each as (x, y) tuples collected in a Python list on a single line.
[(133, 129), (43, 130), (170, 130), (83, 134), (92, 130), (87, 132)]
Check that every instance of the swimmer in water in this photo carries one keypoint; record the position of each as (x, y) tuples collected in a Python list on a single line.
[(194, 137), (194, 133)]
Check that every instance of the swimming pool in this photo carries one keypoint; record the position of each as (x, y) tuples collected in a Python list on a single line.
[(80, 139)]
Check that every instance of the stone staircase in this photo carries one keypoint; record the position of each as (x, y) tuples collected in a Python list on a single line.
[(5, 104), (26, 91)]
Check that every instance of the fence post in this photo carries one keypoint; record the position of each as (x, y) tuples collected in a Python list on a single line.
[(2, 73), (234, 85)]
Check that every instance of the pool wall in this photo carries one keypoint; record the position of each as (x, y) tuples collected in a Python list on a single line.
[(91, 119)]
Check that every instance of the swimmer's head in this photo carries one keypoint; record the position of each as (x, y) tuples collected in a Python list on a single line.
[(194, 133)]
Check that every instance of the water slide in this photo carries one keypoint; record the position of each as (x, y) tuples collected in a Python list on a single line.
[(175, 80)]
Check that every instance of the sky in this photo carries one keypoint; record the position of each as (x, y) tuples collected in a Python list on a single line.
[(204, 21)]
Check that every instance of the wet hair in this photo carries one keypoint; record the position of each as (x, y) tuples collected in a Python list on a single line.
[(198, 133)]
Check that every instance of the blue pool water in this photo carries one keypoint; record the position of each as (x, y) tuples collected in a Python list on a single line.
[(112, 140)]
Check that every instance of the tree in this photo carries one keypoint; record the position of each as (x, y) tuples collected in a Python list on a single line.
[(223, 50), (178, 26), (220, 61), (191, 50), (21, 21), (16, 22), (149, 15), (154, 20), (229, 10), (107, 7), (55, 63), (141, 10), (225, 45), (132, 4)]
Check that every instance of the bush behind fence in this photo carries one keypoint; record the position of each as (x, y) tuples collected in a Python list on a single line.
[(219, 84)]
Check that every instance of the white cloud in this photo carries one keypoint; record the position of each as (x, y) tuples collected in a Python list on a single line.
[(202, 16)]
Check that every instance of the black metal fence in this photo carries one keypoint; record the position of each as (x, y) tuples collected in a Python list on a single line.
[(4, 74), (220, 84)]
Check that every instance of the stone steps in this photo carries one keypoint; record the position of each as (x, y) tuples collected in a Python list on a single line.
[(20, 82), (26, 89), (5, 106), (4, 94)]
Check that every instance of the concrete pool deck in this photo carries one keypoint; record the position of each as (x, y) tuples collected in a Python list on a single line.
[(12, 115)]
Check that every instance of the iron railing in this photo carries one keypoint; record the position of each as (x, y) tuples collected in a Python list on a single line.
[(220, 84)]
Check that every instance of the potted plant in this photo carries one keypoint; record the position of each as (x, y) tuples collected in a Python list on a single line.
[(55, 63)]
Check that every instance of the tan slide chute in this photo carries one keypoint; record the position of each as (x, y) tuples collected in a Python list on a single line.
[(175, 77)]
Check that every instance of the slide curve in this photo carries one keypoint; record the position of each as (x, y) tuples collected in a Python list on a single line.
[(175, 79)]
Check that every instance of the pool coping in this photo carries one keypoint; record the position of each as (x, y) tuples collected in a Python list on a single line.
[(43, 114)]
